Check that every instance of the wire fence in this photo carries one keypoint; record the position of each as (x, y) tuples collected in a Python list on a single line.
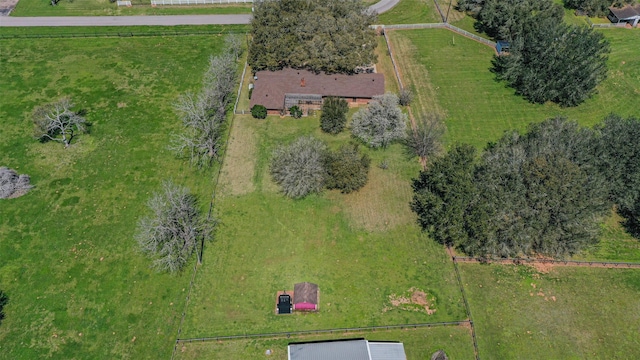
[(121, 34), (288, 334), (199, 256), (467, 308), (442, 25), (577, 263)]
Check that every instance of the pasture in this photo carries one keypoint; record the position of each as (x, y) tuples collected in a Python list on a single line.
[(77, 286)]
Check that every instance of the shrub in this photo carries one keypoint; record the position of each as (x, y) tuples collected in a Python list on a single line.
[(381, 122), (4, 299), (405, 97), (295, 111), (347, 169), (259, 112), (334, 115), (12, 184), (299, 167)]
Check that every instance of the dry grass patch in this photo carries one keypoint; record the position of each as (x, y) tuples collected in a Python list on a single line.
[(415, 76), (385, 66), (380, 205), (240, 160)]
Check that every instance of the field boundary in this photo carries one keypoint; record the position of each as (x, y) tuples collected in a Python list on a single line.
[(567, 263), (120, 34), (288, 334)]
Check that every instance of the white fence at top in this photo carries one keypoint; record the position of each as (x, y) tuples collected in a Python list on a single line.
[(198, 2)]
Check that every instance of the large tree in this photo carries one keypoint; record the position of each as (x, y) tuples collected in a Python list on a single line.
[(619, 161), (204, 114), (506, 19), (443, 193), (57, 122), (321, 35), (299, 168), (595, 7), (381, 122), (537, 193), (173, 231), (552, 61)]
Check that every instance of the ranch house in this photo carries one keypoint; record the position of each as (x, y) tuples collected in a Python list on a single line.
[(628, 14), (280, 90)]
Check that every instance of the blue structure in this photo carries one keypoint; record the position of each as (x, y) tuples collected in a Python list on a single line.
[(502, 46)]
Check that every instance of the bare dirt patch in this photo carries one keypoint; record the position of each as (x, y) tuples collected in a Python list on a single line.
[(412, 300), (238, 170)]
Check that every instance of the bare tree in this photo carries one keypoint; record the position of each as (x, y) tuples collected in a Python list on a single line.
[(381, 122), (12, 184), (425, 140), (204, 115), (171, 234), (234, 43), (405, 97), (299, 168), (56, 122)]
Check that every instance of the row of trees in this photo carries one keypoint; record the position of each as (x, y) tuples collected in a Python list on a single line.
[(542, 192), (595, 7), (204, 114), (175, 227), (548, 60), (306, 166), (321, 35)]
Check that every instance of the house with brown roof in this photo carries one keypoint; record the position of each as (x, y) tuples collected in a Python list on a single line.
[(628, 14), (280, 90)]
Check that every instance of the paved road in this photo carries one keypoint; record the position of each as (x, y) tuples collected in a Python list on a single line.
[(169, 20)]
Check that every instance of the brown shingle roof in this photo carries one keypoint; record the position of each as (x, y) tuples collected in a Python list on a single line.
[(305, 292), (626, 12), (271, 86)]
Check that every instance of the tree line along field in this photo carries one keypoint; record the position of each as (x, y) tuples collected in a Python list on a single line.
[(77, 285)]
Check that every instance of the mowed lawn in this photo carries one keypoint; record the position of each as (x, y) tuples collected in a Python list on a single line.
[(411, 12), (451, 73), (108, 8), (362, 249), (419, 344), (568, 313), (77, 286)]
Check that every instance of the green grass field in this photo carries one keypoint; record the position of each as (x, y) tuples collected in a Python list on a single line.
[(360, 248), (419, 344), (411, 12), (106, 7), (568, 313), (77, 285), (453, 74)]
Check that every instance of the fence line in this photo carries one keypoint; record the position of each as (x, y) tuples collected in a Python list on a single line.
[(322, 331), (199, 256), (577, 263), (198, 2), (444, 19), (467, 308), (118, 34), (447, 26), (235, 106), (393, 61)]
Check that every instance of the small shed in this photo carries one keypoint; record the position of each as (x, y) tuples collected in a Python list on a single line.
[(502, 46), (306, 297), (627, 14)]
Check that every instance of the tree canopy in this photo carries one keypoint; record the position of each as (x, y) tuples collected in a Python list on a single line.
[(347, 169), (381, 122), (334, 115), (595, 7), (299, 167), (533, 193), (321, 35), (552, 61)]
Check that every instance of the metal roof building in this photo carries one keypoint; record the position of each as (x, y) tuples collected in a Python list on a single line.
[(347, 349)]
